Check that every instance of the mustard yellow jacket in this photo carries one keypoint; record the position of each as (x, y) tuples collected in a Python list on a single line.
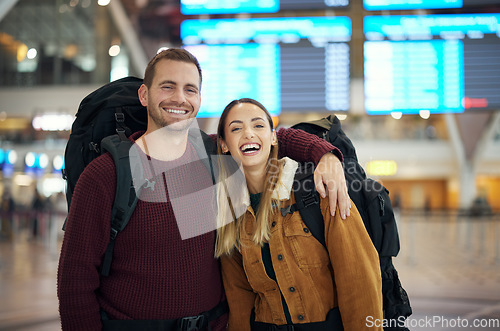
[(313, 280)]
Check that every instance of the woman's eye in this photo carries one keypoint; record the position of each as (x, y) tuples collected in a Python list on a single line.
[(235, 129)]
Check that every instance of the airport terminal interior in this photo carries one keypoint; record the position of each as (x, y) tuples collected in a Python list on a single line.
[(415, 85)]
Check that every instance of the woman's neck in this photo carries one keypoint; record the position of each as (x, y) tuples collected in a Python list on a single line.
[(256, 179)]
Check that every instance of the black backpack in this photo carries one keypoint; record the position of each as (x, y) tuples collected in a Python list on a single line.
[(373, 203), (104, 121)]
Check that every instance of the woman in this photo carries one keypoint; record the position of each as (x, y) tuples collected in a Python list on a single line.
[(276, 274)]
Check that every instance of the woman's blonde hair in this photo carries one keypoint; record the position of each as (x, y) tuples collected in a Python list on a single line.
[(229, 224)]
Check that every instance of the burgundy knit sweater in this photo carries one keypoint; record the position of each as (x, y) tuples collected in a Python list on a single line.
[(154, 273)]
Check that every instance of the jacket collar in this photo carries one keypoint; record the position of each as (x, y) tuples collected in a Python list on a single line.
[(284, 187)]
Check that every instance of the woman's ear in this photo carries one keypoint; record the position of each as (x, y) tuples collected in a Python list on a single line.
[(274, 140), (223, 146)]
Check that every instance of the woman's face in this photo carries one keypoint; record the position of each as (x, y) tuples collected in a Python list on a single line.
[(248, 135)]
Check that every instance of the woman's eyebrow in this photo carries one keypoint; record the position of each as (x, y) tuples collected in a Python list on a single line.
[(252, 120), (257, 118), (235, 121)]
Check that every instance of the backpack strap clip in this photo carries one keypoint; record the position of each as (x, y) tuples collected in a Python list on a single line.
[(308, 199), (192, 323), (120, 117)]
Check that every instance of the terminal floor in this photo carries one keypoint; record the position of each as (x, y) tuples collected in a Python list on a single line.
[(450, 267)]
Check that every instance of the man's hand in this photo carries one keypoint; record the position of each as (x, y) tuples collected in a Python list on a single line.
[(330, 172)]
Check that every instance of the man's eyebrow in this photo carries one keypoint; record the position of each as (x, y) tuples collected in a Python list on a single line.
[(174, 83), (168, 82)]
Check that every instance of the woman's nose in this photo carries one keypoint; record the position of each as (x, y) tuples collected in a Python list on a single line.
[(249, 132)]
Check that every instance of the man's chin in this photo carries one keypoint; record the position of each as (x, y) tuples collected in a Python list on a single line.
[(181, 125)]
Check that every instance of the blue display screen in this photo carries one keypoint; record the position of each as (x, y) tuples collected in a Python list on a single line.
[(238, 71), (410, 76), (197, 7), (410, 4), (425, 4), (440, 63), (425, 26), (288, 64), (200, 7), (239, 31)]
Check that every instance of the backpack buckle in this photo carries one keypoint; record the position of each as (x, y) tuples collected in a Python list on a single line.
[(120, 117), (191, 323), (310, 199)]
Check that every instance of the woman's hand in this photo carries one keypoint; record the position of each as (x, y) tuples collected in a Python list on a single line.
[(330, 173)]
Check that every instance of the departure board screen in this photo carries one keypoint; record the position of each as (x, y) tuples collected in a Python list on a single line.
[(439, 63), (288, 64), (199, 7), (424, 4)]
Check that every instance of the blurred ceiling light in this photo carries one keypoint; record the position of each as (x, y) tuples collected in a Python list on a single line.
[(30, 159), (23, 180), (103, 2), (22, 50), (32, 53), (70, 51), (43, 160), (58, 162), (397, 115), (11, 156), (114, 50), (425, 114), (11, 44), (53, 122)]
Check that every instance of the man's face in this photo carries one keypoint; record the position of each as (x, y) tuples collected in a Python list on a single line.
[(173, 100)]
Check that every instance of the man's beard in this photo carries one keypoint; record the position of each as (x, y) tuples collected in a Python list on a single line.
[(174, 126)]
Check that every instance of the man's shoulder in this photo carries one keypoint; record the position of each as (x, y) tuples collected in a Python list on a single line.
[(102, 166), (98, 178)]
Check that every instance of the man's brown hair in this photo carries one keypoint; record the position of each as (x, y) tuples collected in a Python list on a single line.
[(174, 54)]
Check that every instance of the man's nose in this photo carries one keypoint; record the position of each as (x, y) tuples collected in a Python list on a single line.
[(178, 96)]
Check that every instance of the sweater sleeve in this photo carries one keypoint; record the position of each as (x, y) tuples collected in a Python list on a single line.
[(85, 241), (356, 269), (301, 146), (239, 293)]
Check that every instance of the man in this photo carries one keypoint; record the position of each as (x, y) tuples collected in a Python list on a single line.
[(159, 279)]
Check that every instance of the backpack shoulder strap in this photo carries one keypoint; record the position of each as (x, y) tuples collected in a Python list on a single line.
[(307, 203), (118, 146)]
